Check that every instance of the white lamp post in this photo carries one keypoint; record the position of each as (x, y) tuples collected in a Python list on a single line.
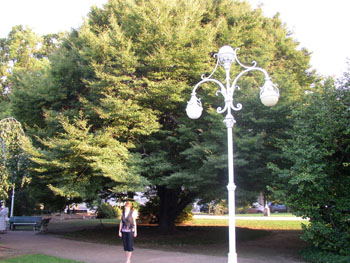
[(269, 95)]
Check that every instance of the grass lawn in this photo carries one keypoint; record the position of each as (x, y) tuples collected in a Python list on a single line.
[(183, 235), (37, 258), (271, 215), (253, 224), (255, 215), (208, 240), (271, 225), (105, 231)]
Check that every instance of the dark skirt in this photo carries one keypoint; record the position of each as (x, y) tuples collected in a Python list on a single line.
[(128, 241)]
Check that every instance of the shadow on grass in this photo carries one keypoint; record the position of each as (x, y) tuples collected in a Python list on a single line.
[(209, 240), (195, 239)]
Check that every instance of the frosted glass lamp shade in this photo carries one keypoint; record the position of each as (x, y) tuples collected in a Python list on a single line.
[(226, 56), (194, 108), (269, 94)]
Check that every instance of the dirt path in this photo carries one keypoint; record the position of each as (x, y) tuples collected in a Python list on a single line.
[(280, 247)]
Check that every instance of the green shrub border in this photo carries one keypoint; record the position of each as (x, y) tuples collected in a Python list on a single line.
[(315, 255)]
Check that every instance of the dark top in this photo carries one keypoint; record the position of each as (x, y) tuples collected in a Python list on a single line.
[(128, 222)]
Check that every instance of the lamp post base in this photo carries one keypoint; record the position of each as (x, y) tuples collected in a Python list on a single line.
[(232, 257)]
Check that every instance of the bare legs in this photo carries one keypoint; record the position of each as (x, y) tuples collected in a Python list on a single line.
[(128, 256)]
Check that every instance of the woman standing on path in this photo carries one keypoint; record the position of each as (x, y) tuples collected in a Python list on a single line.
[(128, 229)]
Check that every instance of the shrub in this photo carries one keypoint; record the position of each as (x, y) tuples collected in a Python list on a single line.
[(185, 216), (328, 238), (105, 210), (315, 255), (149, 213), (118, 211), (314, 179)]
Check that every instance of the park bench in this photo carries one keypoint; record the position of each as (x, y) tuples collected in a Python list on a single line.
[(35, 221)]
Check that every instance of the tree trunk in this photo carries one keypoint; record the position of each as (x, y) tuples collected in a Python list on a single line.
[(172, 202)]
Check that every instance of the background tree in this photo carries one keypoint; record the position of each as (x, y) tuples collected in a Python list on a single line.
[(23, 58), (14, 159), (316, 182), (23, 54)]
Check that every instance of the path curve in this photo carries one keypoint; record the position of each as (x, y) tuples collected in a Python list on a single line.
[(28, 242)]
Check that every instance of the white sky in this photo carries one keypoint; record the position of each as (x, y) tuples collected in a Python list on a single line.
[(319, 25)]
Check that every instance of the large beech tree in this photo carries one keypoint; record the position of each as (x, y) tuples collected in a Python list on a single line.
[(127, 73), (170, 43)]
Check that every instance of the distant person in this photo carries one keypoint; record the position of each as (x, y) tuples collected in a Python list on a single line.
[(128, 229), (3, 218)]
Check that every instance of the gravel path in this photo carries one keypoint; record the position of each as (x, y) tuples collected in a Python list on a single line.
[(27, 242)]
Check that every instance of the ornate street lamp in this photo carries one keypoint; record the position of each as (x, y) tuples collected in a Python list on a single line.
[(269, 95)]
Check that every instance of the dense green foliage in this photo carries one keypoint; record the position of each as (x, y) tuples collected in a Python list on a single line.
[(319, 256), (107, 113), (23, 56), (14, 161), (78, 162), (91, 119), (316, 184), (105, 210)]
